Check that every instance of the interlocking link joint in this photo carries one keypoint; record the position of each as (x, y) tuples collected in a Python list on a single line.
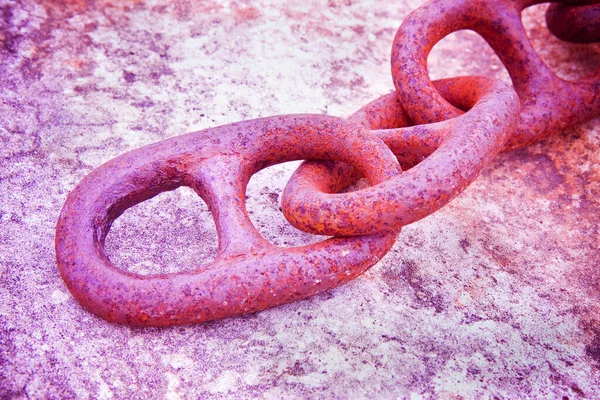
[(442, 133)]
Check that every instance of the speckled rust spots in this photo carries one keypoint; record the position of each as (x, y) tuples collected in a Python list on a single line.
[(442, 133), (248, 274), (578, 24), (452, 154), (548, 104)]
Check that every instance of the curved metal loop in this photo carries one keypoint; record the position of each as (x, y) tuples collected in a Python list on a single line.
[(577, 24), (456, 151), (444, 156), (248, 274), (499, 23)]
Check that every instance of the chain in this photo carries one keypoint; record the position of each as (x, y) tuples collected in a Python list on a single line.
[(418, 147)]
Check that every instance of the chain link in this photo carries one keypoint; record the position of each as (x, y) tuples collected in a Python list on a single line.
[(419, 147)]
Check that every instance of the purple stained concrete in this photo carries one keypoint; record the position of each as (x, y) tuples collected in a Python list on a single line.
[(495, 295)]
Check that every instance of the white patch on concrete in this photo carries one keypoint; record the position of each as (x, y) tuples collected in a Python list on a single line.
[(173, 383), (178, 361), (104, 392), (59, 297), (224, 382)]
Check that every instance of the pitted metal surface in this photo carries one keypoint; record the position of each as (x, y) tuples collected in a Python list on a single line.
[(250, 275)]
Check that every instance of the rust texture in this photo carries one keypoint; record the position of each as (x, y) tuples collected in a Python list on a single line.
[(548, 103), (249, 273), (443, 175), (462, 147), (442, 133), (578, 24)]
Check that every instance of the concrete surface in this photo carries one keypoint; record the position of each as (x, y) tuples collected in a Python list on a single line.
[(496, 295)]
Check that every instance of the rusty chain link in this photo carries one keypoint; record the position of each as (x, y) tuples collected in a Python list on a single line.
[(440, 133)]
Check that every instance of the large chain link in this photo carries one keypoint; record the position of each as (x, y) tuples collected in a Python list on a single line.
[(441, 133)]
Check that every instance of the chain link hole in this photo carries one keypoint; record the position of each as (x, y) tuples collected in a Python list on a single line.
[(569, 61), (174, 231), (263, 202), (465, 53)]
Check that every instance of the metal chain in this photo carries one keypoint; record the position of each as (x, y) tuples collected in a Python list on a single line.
[(440, 133)]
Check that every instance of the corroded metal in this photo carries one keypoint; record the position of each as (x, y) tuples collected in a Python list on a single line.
[(462, 123), (578, 24), (249, 273), (548, 103), (454, 152)]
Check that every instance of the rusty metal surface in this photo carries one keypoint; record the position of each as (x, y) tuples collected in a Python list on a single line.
[(451, 153), (249, 274), (548, 103), (578, 24)]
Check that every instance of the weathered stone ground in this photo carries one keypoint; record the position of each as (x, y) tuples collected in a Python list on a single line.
[(496, 295)]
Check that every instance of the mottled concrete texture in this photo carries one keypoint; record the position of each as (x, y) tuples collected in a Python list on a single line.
[(495, 295)]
